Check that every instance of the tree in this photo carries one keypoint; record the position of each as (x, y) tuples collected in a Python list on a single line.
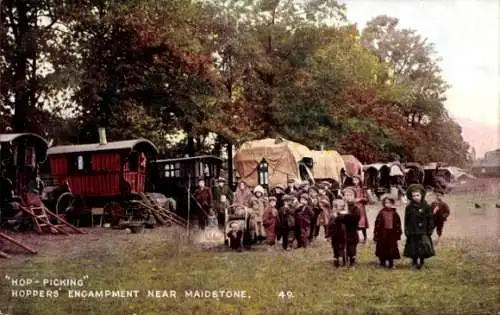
[(26, 42)]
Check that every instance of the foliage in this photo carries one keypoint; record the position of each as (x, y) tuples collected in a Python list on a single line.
[(239, 69)]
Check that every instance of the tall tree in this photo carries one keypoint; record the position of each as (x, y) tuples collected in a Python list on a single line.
[(26, 40)]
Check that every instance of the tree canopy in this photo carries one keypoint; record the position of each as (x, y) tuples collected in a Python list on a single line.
[(238, 69)]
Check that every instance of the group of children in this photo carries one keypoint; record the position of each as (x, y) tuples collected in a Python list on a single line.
[(297, 213)]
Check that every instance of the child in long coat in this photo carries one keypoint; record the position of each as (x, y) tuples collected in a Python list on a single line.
[(387, 233), (337, 232), (287, 221), (271, 221), (419, 225), (361, 201), (303, 216), (351, 221)]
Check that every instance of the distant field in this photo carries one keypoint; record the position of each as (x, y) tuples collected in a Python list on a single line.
[(462, 279)]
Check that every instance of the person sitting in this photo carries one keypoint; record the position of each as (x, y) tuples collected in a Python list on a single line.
[(235, 236)]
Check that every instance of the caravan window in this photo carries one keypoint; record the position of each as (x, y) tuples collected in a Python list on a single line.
[(263, 173)]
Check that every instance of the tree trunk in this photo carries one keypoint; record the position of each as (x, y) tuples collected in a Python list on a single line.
[(230, 169), (21, 90)]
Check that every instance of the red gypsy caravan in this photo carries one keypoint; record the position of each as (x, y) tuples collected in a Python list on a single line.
[(100, 176)]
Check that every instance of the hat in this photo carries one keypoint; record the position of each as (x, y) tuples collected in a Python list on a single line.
[(287, 198), (313, 188), (279, 186), (221, 180), (387, 197), (304, 196), (258, 188), (413, 188), (349, 189)]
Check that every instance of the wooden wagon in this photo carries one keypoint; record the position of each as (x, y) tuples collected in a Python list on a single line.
[(377, 178), (175, 177), (100, 175), (20, 155), (414, 174)]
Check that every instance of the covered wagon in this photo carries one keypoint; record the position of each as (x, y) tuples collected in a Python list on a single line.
[(269, 162), (328, 165), (376, 178)]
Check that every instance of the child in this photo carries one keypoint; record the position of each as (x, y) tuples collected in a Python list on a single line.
[(212, 219), (387, 233), (271, 220), (235, 235), (303, 217), (337, 232), (351, 221), (258, 205), (419, 224), (441, 211), (361, 201), (287, 214), (212, 225)]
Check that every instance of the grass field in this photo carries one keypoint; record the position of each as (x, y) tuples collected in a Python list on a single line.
[(462, 279)]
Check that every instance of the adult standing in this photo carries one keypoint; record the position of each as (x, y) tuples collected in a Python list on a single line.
[(204, 200), (243, 194), (397, 175)]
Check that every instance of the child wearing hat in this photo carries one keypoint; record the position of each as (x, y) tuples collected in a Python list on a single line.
[(271, 220), (258, 204), (337, 232), (418, 227), (287, 221), (387, 233), (303, 217), (351, 221)]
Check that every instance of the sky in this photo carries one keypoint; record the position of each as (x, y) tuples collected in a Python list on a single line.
[(466, 36)]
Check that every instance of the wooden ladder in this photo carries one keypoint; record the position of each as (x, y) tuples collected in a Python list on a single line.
[(160, 213), (42, 222), (42, 216), (15, 242)]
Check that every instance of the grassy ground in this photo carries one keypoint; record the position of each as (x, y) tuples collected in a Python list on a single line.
[(462, 279)]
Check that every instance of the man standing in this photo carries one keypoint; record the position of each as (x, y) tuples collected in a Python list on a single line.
[(397, 175), (203, 197)]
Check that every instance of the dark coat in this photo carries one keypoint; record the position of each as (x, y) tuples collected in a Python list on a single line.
[(351, 221), (418, 228), (303, 218), (387, 239), (336, 232), (235, 239), (225, 190)]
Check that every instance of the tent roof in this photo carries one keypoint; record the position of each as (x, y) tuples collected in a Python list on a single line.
[(298, 150)]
